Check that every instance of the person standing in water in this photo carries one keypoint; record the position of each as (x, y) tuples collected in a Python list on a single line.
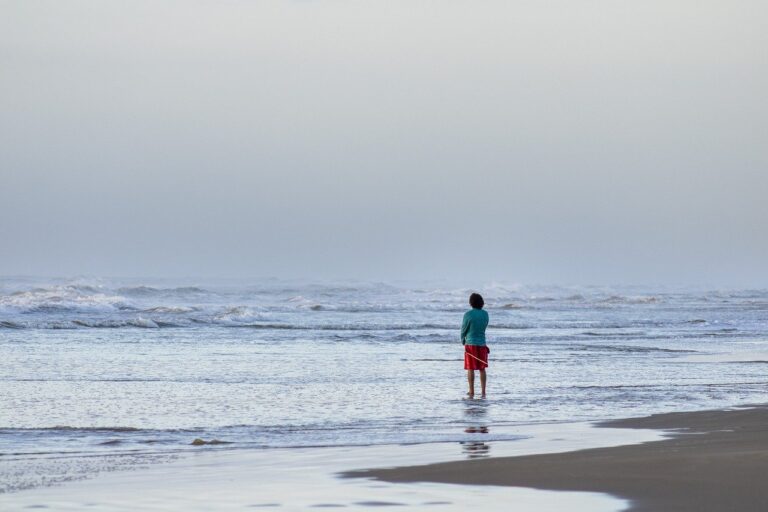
[(473, 338)]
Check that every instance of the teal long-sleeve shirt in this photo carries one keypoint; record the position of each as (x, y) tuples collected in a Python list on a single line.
[(473, 327)]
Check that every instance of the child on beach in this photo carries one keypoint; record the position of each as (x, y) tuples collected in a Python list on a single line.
[(473, 338)]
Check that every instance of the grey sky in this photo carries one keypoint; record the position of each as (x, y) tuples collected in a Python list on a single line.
[(540, 141)]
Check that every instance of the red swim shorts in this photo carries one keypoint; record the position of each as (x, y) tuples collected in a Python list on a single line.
[(475, 357)]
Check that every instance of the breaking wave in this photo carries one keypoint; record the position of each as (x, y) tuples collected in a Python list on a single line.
[(621, 299), (238, 315), (63, 299), (145, 323)]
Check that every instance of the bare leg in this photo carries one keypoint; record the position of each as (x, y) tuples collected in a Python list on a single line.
[(471, 382), (482, 381)]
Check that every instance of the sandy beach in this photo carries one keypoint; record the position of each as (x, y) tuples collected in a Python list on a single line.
[(711, 461)]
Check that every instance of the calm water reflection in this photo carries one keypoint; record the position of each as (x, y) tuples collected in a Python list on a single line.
[(476, 412)]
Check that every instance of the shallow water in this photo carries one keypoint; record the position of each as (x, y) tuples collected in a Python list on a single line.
[(147, 367), (307, 478)]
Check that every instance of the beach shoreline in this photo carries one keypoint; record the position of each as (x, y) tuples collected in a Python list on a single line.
[(709, 461), (303, 478), (705, 460)]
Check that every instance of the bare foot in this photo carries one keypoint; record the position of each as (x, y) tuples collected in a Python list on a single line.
[(470, 396), (482, 396)]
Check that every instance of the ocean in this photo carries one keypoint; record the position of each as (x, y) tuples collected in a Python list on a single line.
[(99, 374)]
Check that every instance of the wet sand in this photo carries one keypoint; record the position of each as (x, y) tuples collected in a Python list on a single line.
[(713, 461)]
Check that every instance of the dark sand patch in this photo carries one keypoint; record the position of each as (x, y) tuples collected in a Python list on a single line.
[(715, 461)]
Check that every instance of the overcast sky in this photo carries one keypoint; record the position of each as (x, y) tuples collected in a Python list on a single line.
[(574, 141)]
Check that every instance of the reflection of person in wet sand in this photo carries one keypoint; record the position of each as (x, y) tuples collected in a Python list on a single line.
[(475, 449), (473, 338)]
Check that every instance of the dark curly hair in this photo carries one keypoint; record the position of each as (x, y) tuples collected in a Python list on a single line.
[(476, 301)]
